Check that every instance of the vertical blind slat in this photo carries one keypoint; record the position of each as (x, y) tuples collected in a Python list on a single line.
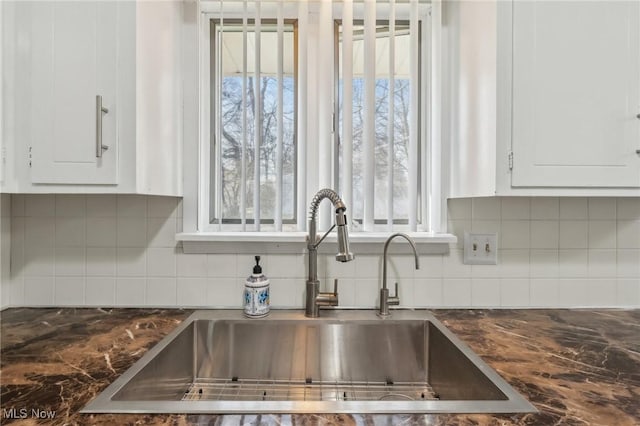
[(243, 159), (218, 117), (391, 117), (278, 212), (302, 116), (347, 105), (414, 126), (257, 138), (325, 107), (369, 134)]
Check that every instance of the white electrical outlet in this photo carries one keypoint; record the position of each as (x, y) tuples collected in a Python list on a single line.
[(480, 249)]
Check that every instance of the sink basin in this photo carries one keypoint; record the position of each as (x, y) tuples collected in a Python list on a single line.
[(342, 362)]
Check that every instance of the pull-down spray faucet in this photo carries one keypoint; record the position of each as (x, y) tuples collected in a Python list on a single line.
[(314, 298)]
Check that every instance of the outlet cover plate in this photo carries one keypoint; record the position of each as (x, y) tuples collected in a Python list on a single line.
[(480, 249)]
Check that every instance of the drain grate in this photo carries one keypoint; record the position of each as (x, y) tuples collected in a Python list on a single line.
[(306, 390)]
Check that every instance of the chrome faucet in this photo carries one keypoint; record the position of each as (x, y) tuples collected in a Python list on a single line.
[(385, 299), (314, 298)]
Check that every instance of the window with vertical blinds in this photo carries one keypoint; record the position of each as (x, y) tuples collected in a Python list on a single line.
[(312, 94)]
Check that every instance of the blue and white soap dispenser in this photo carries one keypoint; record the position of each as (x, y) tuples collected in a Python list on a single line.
[(256, 293)]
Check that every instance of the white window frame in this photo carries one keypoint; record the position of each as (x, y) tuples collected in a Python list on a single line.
[(200, 236)]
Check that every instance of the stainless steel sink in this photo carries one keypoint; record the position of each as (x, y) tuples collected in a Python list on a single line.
[(342, 362)]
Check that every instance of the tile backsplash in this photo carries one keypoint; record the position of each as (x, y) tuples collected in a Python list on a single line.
[(108, 250)]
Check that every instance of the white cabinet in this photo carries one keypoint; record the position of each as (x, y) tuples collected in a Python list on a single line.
[(58, 57), (74, 57), (576, 93), (544, 97)]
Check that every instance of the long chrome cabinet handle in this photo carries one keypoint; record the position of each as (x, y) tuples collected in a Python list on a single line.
[(99, 111)]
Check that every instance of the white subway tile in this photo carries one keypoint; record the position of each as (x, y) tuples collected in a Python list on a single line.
[(406, 291), (39, 231), (602, 234), (544, 263), (515, 234), (459, 208), (573, 263), (401, 266), (367, 293), (628, 234), (101, 261), (101, 205), (192, 292), (40, 205), (368, 266), (544, 292), (16, 292), (193, 265), (545, 208), (545, 234), (334, 269), (161, 292), (39, 291), (130, 291), (228, 265), (161, 207), (161, 262), (514, 263), (39, 261), (430, 266), (346, 291), (69, 291), (514, 292), (428, 292), (572, 293), (132, 232), (485, 292), (224, 293), (18, 233), (70, 231), (282, 293), (101, 232), (458, 228), (17, 260), (131, 262), (516, 208), (132, 206), (100, 291), (602, 292), (486, 208), (486, 226), (161, 232), (17, 205), (628, 263), (628, 292), (453, 266), (628, 208), (486, 271), (290, 266), (602, 263), (602, 208), (573, 208), (456, 292), (73, 205), (573, 234), (70, 261)]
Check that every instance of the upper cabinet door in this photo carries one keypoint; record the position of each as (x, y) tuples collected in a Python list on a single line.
[(576, 93), (74, 52)]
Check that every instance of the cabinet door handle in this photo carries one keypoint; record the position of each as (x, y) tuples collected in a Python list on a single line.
[(100, 148)]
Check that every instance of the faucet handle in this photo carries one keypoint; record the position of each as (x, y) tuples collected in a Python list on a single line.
[(394, 300), (335, 287)]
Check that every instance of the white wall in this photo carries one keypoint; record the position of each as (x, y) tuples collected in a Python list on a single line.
[(107, 250)]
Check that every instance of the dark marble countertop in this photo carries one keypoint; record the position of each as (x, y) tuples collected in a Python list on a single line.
[(578, 367)]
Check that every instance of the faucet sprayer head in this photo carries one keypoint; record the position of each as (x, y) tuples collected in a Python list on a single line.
[(343, 255)]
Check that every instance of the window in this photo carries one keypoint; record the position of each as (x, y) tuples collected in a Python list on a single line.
[(339, 99)]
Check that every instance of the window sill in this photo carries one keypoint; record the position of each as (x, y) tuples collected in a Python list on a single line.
[(294, 242)]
